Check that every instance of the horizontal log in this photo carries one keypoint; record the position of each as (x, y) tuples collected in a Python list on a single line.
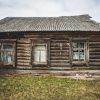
[(59, 48), (23, 55), (59, 58), (24, 67), (94, 60), (34, 36), (94, 57), (23, 51), (79, 62), (58, 51), (59, 54), (22, 64), (61, 40), (60, 65), (21, 48), (23, 44), (91, 49), (95, 40), (58, 44), (91, 43), (23, 39), (19, 53), (91, 56), (94, 46), (23, 61), (59, 61), (94, 52), (10, 40), (18, 57), (94, 63), (47, 36)]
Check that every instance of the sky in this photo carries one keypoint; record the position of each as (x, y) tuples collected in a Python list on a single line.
[(49, 8)]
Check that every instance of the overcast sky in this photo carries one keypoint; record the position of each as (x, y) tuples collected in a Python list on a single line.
[(10, 8)]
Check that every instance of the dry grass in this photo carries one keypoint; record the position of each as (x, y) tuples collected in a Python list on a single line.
[(29, 87)]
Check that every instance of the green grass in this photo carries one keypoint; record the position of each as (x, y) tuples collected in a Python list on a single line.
[(29, 87)]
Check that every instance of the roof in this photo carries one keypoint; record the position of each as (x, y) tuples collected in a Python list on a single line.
[(62, 23)]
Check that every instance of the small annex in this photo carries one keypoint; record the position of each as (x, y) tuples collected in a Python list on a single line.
[(64, 42)]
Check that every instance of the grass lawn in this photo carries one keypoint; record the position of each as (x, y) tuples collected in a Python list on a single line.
[(29, 87)]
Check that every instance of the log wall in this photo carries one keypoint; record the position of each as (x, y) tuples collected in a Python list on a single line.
[(94, 50), (23, 56), (59, 48), (59, 53)]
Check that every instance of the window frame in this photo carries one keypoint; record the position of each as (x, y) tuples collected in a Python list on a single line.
[(79, 50), (86, 51), (37, 42), (9, 42)]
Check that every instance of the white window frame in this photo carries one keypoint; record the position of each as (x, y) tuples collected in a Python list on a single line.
[(39, 63)]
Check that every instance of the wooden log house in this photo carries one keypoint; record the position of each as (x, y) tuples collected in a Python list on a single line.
[(66, 42)]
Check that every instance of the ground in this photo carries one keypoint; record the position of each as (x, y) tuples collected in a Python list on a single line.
[(30, 87)]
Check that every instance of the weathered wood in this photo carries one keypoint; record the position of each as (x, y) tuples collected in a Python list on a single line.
[(59, 48)]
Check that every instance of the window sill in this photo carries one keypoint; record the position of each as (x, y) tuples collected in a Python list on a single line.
[(5, 64), (79, 63)]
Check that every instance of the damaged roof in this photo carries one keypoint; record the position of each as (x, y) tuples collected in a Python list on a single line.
[(62, 23)]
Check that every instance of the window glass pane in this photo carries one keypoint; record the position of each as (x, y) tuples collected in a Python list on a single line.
[(40, 47), (0, 46), (10, 57), (43, 56), (40, 53), (7, 57), (2, 56), (80, 45), (81, 56), (78, 50), (75, 45), (75, 55), (36, 56)]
